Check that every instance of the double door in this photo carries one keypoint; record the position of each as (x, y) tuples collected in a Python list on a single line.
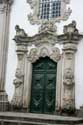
[(43, 90)]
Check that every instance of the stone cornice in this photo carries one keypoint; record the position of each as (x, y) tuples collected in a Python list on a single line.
[(65, 38), (46, 37), (20, 40), (70, 35)]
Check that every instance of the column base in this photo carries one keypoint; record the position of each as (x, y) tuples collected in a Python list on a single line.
[(68, 112), (4, 104)]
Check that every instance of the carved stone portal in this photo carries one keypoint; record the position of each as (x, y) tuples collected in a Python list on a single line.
[(45, 46)]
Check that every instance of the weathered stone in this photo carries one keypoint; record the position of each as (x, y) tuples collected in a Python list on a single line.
[(69, 40), (37, 119), (44, 46)]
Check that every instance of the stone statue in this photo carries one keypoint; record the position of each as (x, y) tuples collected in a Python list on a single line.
[(20, 32)]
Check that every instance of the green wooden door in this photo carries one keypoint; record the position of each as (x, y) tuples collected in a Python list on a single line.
[(43, 91)]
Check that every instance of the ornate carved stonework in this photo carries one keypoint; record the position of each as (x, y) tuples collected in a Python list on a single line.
[(48, 27), (33, 56), (69, 78), (45, 46), (68, 82), (18, 82), (69, 39), (36, 53), (55, 54), (6, 1), (34, 17)]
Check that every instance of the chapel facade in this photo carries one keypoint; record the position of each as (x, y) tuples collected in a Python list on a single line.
[(44, 79)]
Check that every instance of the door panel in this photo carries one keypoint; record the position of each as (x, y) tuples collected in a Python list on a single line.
[(43, 89), (50, 93), (37, 92)]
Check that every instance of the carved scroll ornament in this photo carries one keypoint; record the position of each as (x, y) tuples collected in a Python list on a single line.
[(36, 53), (34, 17)]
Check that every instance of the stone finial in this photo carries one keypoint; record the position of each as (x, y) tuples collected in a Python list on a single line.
[(20, 32), (48, 27), (71, 28)]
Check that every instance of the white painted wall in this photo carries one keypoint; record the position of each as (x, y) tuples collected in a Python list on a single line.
[(19, 12)]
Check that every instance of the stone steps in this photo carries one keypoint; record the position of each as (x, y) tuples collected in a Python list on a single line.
[(14, 118)]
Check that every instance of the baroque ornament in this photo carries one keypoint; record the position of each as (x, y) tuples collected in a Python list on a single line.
[(36, 53), (68, 77), (68, 82), (36, 16), (19, 78), (33, 56), (56, 56)]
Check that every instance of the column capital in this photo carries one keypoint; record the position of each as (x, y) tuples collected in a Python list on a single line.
[(5, 6), (69, 48), (6, 2)]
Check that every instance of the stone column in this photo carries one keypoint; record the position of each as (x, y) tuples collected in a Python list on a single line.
[(17, 100), (70, 40), (69, 50), (27, 85), (5, 6), (21, 50)]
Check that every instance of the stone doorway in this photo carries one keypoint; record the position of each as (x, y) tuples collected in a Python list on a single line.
[(43, 89)]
